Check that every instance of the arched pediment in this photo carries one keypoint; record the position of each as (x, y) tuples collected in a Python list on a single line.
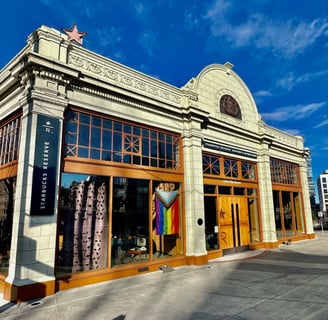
[(225, 96)]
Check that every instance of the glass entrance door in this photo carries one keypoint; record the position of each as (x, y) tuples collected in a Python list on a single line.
[(234, 222), (211, 224)]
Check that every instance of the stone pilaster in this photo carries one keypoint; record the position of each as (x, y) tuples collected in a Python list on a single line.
[(266, 200), (194, 197), (34, 236), (306, 197)]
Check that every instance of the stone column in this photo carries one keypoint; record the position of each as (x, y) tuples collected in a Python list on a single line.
[(306, 197), (194, 197), (33, 248), (266, 199)]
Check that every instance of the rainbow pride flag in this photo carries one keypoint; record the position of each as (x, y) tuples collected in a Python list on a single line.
[(167, 212)]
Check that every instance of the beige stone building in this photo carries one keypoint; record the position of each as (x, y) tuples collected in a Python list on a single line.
[(106, 172)]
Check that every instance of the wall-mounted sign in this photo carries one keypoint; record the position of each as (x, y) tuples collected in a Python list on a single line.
[(231, 150), (45, 166)]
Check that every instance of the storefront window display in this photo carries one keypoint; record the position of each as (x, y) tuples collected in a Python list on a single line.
[(299, 220), (287, 199), (131, 240), (130, 221), (253, 211), (288, 213), (138, 219), (7, 196), (84, 215), (277, 214), (10, 130), (83, 223), (166, 220), (211, 223)]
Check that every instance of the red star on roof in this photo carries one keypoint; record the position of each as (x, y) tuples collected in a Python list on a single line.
[(74, 34)]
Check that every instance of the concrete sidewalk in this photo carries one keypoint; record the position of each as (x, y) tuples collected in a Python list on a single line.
[(290, 282)]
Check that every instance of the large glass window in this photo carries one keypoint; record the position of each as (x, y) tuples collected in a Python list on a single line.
[(7, 196), (277, 214), (9, 147), (166, 220), (287, 213), (228, 168), (287, 198), (211, 224), (130, 221), (284, 172), (99, 138), (131, 240), (299, 221), (248, 170), (253, 214), (145, 225), (211, 165), (83, 223), (141, 218), (9, 140)]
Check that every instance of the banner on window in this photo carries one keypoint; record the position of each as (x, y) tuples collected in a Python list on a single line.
[(167, 212)]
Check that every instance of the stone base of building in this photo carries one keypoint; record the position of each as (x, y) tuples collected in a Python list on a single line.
[(86, 278), (197, 260), (28, 292)]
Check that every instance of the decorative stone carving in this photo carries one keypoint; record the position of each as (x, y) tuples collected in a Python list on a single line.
[(190, 84), (124, 79), (229, 106)]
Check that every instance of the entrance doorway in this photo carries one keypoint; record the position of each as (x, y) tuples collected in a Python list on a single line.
[(211, 224), (234, 223)]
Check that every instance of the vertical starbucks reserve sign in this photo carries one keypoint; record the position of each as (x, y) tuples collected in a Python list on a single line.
[(45, 166)]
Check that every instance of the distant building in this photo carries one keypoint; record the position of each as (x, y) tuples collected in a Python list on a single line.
[(322, 183), (106, 172), (310, 182)]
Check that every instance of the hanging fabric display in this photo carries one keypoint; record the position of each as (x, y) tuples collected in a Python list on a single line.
[(84, 244), (167, 212)]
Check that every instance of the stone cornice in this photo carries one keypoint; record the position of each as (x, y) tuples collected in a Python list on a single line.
[(121, 98), (280, 137), (44, 98)]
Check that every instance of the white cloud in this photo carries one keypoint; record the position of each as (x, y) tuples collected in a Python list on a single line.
[(109, 37), (321, 124), (139, 7), (191, 20), (148, 40), (259, 96), (262, 93), (286, 38), (110, 40), (291, 80), (292, 112)]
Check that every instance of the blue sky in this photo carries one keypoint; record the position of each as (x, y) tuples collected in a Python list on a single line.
[(278, 47)]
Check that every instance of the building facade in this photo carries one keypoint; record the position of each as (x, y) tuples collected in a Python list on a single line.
[(311, 183), (322, 183), (106, 172)]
